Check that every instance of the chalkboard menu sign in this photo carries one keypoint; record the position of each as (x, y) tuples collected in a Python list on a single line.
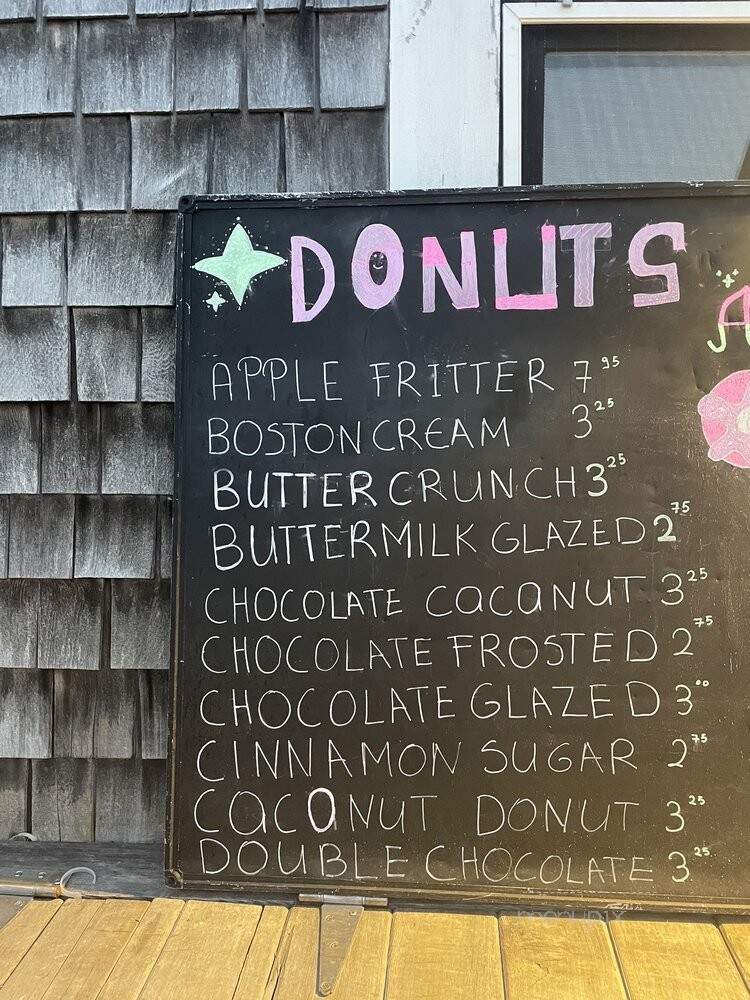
[(461, 604)]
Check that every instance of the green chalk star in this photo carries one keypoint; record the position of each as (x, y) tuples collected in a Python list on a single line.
[(239, 263)]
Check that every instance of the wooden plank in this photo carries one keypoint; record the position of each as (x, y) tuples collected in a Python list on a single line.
[(454, 955), (20, 934), (737, 936), (44, 959), (140, 954), (11, 906), (362, 974), (206, 950), (681, 960), (553, 957), (259, 962), (97, 950)]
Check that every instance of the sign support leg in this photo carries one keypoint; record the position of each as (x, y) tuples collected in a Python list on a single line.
[(339, 919)]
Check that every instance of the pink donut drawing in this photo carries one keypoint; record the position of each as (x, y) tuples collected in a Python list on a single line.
[(725, 418)]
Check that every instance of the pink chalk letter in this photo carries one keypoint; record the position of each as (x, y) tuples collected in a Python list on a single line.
[(464, 295), (547, 298), (675, 233), (301, 312), (382, 240), (584, 258)]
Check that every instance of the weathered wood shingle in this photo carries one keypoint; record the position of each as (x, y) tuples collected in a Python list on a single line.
[(17, 10), (137, 448), (37, 68), (335, 151), (115, 537), (121, 260), (70, 448), (170, 158), (40, 543), (208, 64), (84, 8), (140, 625), (126, 66), (4, 522), (116, 714), (165, 537), (34, 260), (280, 61), (19, 447), (106, 352), (246, 154), (328, 5), (60, 165), (62, 799), (37, 168), (34, 354), (75, 700), (153, 689), (353, 60), (13, 797), (130, 797), (158, 355), (70, 624), (222, 6), (25, 713), (19, 615), (103, 172), (161, 7)]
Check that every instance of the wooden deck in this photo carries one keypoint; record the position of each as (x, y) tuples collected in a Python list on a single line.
[(168, 949)]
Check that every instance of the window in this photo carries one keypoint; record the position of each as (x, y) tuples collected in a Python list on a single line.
[(625, 92), (639, 103)]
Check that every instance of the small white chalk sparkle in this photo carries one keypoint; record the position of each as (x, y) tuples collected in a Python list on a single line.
[(215, 301), (729, 278)]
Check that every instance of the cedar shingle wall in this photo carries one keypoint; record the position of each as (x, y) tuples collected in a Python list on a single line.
[(107, 115)]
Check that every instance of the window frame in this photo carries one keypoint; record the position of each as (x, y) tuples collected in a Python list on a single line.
[(523, 50)]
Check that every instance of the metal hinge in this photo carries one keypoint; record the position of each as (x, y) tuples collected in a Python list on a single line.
[(339, 917)]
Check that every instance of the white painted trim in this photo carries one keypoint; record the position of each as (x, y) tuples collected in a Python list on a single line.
[(516, 15), (444, 101)]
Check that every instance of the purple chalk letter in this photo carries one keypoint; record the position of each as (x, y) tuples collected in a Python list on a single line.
[(300, 311), (584, 261), (377, 239), (675, 232)]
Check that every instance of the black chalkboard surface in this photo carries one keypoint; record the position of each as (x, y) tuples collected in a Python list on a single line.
[(461, 535)]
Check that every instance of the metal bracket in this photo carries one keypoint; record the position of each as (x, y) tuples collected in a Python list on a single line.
[(339, 918), (42, 889)]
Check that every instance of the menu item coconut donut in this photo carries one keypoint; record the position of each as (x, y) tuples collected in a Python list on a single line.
[(725, 418)]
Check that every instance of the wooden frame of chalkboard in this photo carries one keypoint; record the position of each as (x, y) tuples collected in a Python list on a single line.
[(199, 272)]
